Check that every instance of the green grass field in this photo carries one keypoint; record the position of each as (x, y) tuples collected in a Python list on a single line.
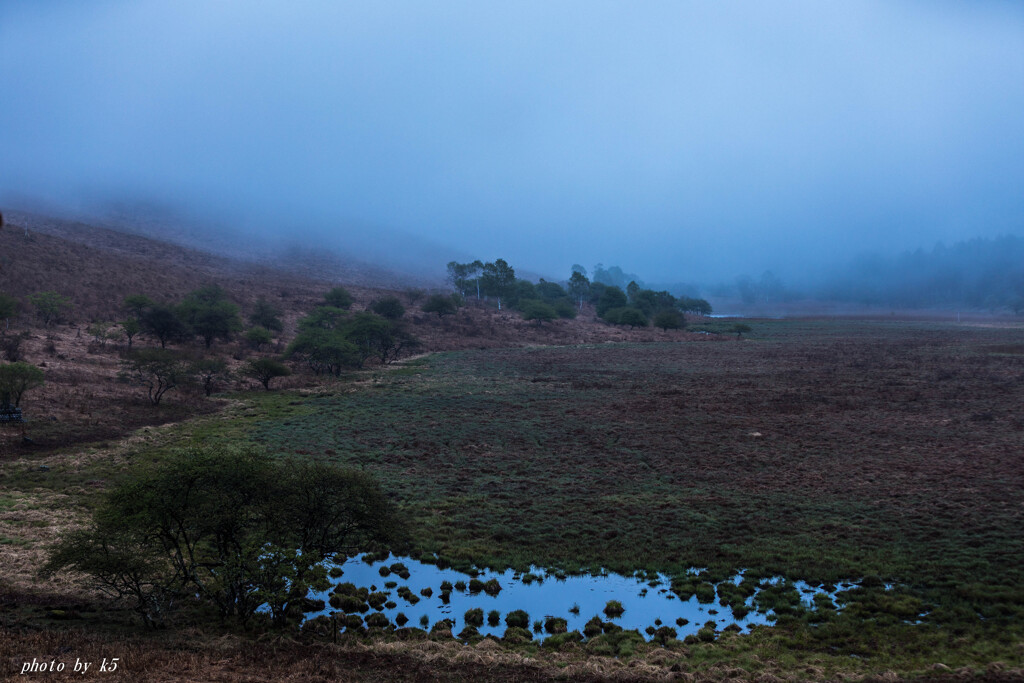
[(815, 450), (890, 452)]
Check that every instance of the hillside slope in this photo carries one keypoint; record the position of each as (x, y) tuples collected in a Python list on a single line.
[(98, 266)]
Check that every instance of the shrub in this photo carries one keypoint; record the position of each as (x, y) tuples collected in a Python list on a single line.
[(209, 314), (517, 619), (440, 304), (388, 307), (560, 641), (493, 617), (352, 622), (705, 593), (740, 328), (208, 371), (8, 309), (555, 625), (469, 633), (538, 310), (625, 316), (257, 337), (618, 644), (443, 625), (164, 323), (565, 309), (611, 298), (669, 320), (159, 370), (50, 306), (347, 603), (265, 370), (474, 617), (130, 328), (339, 297), (664, 634), (614, 609), (101, 333), (266, 315), (10, 346), (378, 620), (516, 635)]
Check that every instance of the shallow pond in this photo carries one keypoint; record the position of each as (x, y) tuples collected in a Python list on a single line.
[(576, 599)]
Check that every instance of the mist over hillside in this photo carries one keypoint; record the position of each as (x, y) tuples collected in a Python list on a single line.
[(360, 265), (683, 142)]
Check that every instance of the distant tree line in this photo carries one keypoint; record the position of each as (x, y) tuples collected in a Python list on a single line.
[(631, 304), (982, 273), (497, 280)]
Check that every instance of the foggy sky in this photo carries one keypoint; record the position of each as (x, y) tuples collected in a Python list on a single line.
[(684, 141)]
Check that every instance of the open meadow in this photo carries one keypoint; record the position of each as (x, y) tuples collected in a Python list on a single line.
[(884, 453)]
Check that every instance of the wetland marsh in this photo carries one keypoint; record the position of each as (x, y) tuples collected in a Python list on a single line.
[(817, 451), (823, 452)]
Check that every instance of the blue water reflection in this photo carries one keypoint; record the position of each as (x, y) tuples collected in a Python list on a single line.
[(647, 601)]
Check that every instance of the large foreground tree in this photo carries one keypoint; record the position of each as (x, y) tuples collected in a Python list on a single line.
[(234, 528)]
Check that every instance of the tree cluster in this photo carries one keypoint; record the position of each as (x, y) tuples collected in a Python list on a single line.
[(205, 313), (495, 280), (331, 339), (636, 306), (539, 302), (629, 304)]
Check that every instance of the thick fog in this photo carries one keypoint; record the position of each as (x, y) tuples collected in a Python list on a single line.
[(683, 141)]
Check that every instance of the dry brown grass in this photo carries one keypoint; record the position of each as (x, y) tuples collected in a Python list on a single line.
[(193, 656), (82, 401), (190, 655), (29, 523)]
